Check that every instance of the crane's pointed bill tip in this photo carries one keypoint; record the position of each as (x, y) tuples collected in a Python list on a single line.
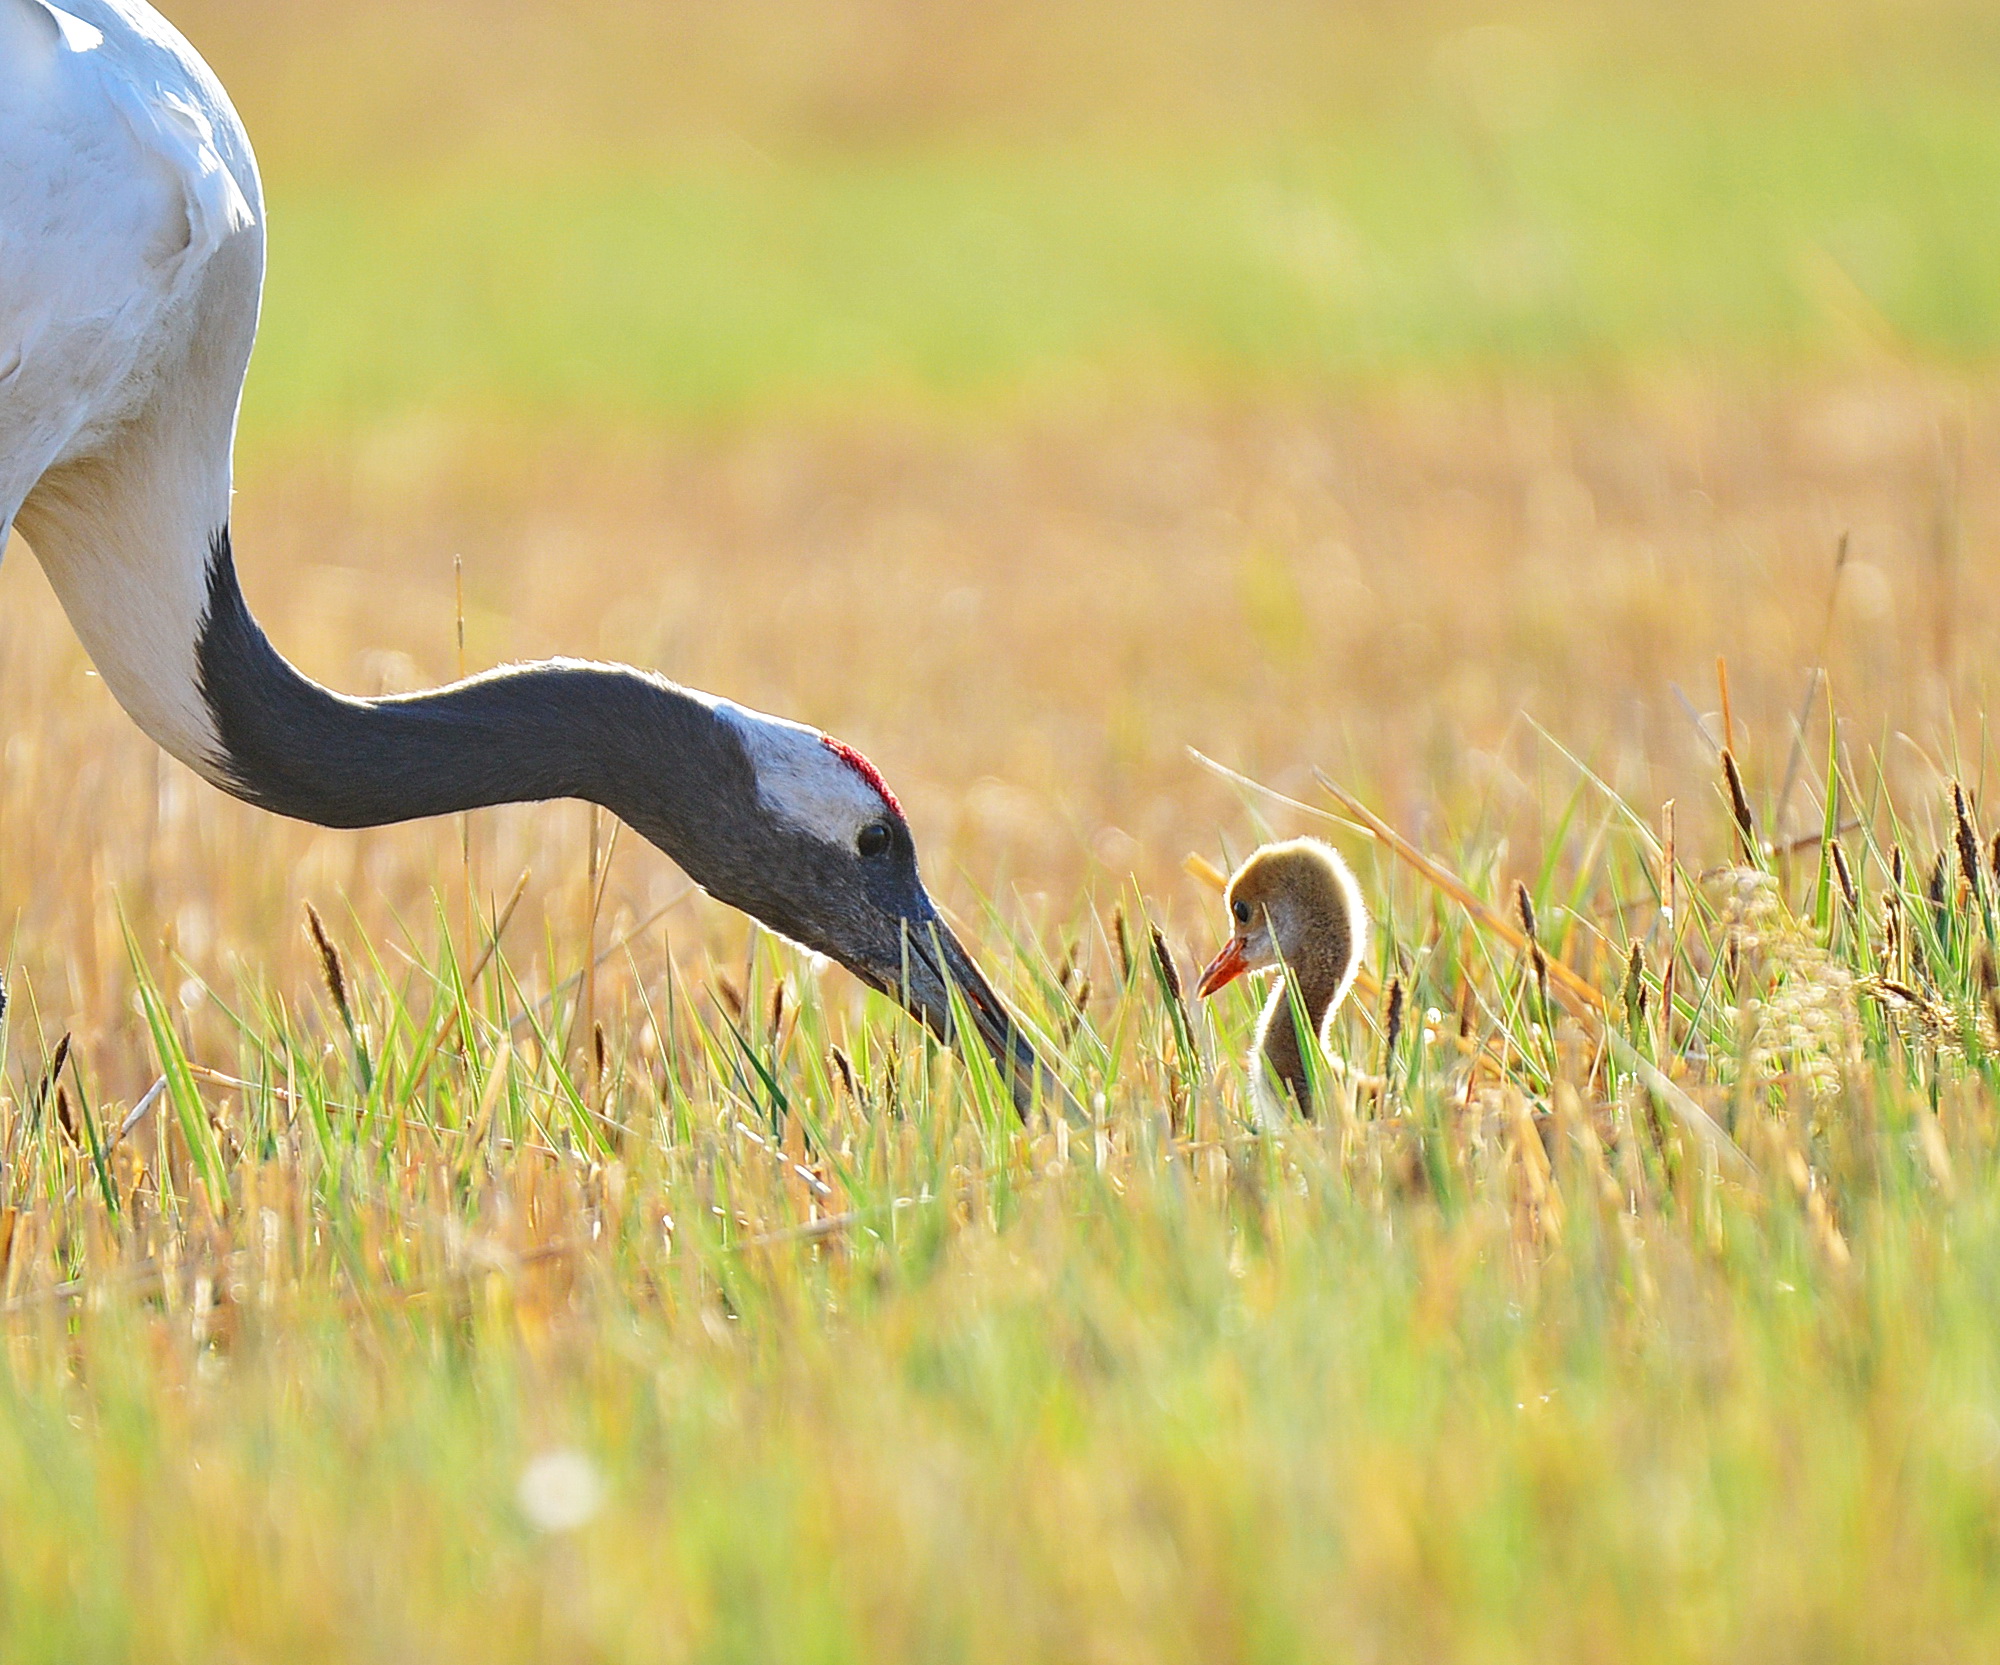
[(1026, 1075)]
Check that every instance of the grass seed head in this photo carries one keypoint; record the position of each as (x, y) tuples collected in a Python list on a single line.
[(1968, 837), (731, 996), (1739, 804), (843, 1067), (1635, 984), (1524, 907), (330, 966), (1074, 982), (51, 1077), (1170, 974), (1844, 875), (53, 1074)]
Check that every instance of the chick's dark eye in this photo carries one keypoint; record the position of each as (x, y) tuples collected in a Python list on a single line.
[(874, 840), (1242, 912)]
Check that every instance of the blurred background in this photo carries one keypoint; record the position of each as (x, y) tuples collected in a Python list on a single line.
[(678, 214), (1029, 391)]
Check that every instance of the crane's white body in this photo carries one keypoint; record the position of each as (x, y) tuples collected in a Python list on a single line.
[(131, 265)]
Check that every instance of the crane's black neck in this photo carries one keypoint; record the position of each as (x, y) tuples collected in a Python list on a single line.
[(651, 753)]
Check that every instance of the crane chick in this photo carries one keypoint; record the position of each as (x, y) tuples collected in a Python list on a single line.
[(1296, 906)]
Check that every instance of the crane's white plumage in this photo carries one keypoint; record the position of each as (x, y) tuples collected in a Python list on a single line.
[(131, 260)]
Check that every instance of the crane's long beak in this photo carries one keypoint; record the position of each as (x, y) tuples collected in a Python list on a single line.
[(942, 956), (1225, 968)]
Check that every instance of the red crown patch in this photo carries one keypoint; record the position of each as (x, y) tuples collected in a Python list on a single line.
[(862, 767)]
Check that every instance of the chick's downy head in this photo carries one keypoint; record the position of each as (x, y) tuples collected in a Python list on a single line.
[(1295, 904)]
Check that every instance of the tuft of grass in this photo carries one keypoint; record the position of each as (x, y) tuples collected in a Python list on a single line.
[(754, 1328)]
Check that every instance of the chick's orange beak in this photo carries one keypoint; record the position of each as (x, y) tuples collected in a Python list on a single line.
[(1225, 968)]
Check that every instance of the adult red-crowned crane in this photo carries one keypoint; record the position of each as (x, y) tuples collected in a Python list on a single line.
[(131, 266)]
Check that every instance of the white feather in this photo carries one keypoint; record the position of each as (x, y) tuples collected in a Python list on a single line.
[(77, 35), (131, 263)]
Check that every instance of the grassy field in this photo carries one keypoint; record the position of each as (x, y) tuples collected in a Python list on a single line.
[(1498, 413)]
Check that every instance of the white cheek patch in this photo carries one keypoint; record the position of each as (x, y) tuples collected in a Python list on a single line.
[(800, 778)]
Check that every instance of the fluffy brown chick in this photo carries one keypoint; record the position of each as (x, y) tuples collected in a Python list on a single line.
[(1297, 906)]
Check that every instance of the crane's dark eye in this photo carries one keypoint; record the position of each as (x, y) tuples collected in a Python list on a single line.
[(874, 841), (1242, 912)]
